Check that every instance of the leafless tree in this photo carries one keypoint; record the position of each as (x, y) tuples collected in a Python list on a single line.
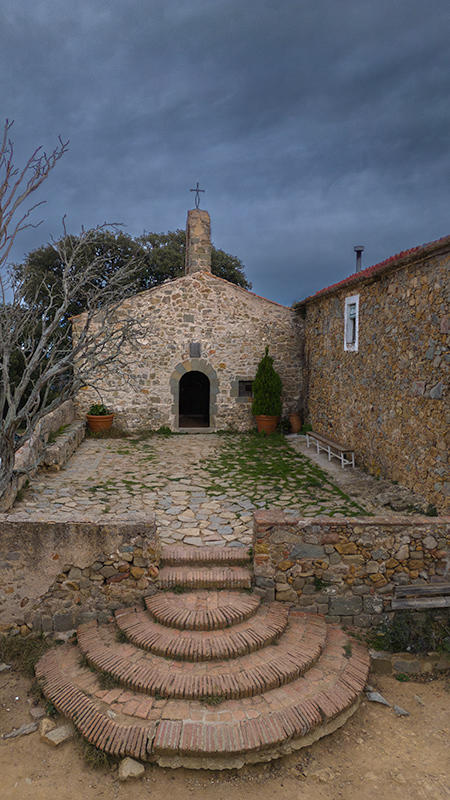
[(16, 187), (53, 367)]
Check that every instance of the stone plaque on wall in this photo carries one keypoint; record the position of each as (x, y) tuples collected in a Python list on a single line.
[(195, 350)]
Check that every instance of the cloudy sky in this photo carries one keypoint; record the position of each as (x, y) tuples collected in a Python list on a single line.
[(313, 125)]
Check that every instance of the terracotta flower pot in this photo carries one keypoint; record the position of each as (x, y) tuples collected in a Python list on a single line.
[(102, 423), (296, 423), (266, 424)]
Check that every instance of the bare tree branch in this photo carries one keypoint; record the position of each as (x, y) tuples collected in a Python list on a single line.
[(33, 330), (16, 186)]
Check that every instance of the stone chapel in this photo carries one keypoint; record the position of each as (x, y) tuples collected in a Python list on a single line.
[(205, 337), (366, 361)]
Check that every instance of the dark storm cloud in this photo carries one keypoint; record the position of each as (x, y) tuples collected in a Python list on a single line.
[(313, 126)]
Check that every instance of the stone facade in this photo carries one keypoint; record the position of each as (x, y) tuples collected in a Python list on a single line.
[(388, 398), (199, 323), (385, 394), (348, 568)]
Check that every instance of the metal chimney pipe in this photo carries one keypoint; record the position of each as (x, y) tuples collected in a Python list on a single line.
[(358, 250)]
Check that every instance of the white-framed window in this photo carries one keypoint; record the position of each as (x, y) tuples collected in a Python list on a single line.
[(351, 324)]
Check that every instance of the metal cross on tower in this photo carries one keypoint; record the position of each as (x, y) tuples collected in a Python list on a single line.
[(197, 195)]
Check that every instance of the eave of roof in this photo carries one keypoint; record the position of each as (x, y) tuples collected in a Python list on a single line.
[(388, 265)]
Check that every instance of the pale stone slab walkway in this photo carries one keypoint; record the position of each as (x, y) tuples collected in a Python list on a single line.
[(127, 479), (124, 480)]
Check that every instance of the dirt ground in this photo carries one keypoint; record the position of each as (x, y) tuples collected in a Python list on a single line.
[(375, 755)]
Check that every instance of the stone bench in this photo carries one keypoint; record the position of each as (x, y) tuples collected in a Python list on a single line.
[(58, 452), (436, 595), (345, 454)]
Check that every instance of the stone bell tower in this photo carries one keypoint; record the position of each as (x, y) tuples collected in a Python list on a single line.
[(198, 242)]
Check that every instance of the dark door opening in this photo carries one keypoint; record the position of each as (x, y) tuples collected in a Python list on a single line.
[(193, 411)]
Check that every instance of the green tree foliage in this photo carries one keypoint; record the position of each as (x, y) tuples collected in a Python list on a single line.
[(40, 366), (165, 256), (21, 353), (267, 389), (230, 268), (160, 257), (41, 274), (41, 277)]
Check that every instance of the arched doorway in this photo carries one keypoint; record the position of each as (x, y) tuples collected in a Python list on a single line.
[(194, 400)]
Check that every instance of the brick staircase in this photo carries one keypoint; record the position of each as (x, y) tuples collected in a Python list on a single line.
[(205, 568), (206, 677)]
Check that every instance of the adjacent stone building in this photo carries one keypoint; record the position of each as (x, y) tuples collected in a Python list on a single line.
[(367, 361), (377, 364), (204, 338)]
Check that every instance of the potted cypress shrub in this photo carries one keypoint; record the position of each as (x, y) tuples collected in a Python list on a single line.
[(99, 418), (267, 386)]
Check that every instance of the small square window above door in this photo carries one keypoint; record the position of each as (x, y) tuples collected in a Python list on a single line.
[(245, 388)]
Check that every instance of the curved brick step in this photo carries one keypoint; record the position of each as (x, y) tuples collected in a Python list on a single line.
[(261, 630), (297, 651), (201, 611), (223, 577), (99, 729), (189, 733), (179, 554)]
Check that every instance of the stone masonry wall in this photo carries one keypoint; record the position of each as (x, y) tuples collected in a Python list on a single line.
[(347, 569), (232, 327), (28, 458), (390, 400), (198, 241), (54, 576)]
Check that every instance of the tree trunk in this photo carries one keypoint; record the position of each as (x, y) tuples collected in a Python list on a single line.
[(7, 490)]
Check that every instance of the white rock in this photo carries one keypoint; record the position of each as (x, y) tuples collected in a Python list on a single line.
[(46, 725), (59, 735), (129, 769), (36, 712)]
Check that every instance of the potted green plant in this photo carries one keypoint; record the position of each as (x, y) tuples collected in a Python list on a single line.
[(267, 387), (99, 418)]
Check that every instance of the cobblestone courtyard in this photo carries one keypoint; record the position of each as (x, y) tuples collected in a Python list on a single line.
[(203, 488)]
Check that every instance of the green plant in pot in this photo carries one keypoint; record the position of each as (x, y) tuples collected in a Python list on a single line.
[(99, 418), (267, 387)]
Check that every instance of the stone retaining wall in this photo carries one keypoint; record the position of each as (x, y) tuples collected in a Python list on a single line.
[(347, 569), (54, 575), (58, 452), (384, 663), (30, 456)]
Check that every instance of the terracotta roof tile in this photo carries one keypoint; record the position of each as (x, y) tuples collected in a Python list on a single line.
[(397, 260)]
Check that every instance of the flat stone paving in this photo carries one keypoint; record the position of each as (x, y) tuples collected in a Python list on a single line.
[(121, 479)]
